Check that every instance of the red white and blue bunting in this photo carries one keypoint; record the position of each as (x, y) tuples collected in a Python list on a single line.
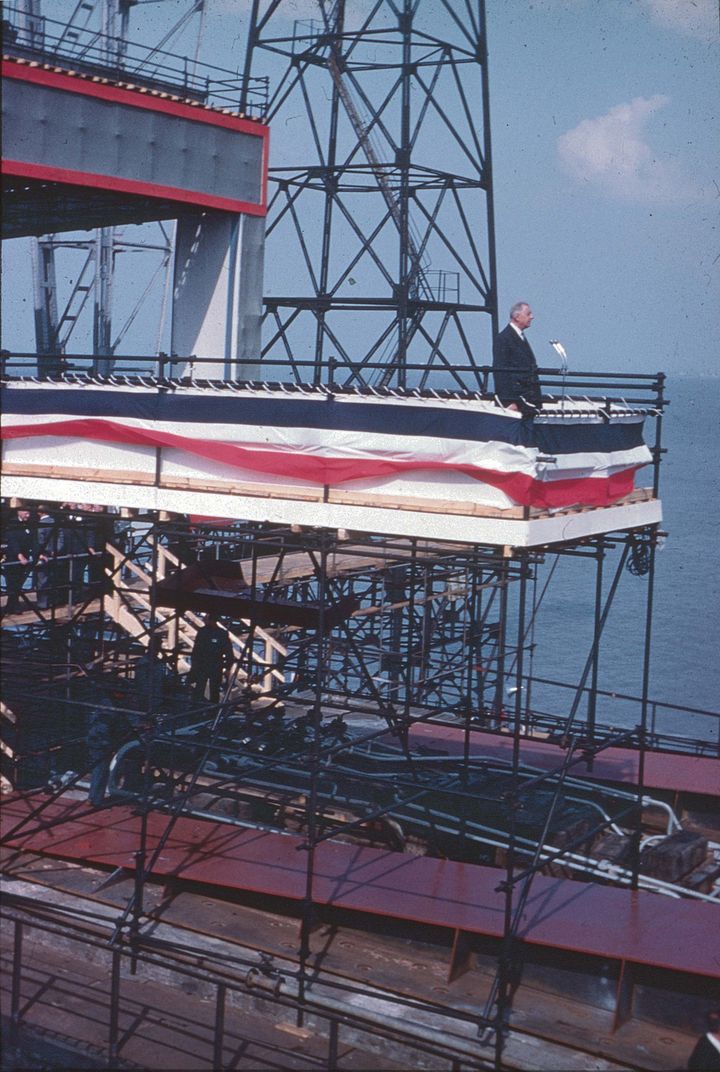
[(445, 449)]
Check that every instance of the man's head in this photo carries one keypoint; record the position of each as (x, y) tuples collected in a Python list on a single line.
[(210, 618), (713, 1022), (23, 515), (521, 315)]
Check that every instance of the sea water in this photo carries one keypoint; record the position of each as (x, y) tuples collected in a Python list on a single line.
[(684, 667)]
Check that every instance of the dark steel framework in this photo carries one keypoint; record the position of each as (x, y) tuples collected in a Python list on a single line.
[(384, 238), (439, 634)]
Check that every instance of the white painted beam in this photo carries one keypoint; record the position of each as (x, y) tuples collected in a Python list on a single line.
[(493, 531)]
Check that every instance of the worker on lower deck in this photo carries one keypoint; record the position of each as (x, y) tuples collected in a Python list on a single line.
[(52, 563), (106, 728), (151, 678), (75, 547), (19, 550), (212, 655), (99, 532)]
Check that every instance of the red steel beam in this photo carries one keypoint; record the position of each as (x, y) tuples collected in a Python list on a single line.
[(585, 918)]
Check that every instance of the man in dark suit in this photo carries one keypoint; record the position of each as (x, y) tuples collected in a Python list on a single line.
[(706, 1055), (18, 556), (514, 366)]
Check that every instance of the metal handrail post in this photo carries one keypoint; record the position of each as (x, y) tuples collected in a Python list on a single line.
[(509, 945), (308, 906), (644, 710), (219, 1031), (333, 1045), (16, 981), (114, 1009), (597, 629)]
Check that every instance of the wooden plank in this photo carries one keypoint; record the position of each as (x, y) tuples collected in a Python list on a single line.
[(67, 472), (129, 476), (335, 496), (63, 612), (264, 491), (638, 495), (426, 506)]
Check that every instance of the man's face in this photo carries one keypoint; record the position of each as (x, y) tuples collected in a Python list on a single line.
[(524, 317), (23, 515)]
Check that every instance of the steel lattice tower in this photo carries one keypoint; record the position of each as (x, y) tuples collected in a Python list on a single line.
[(380, 242)]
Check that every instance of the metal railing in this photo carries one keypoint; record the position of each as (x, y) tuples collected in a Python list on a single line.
[(38, 38), (617, 709), (604, 390), (239, 979)]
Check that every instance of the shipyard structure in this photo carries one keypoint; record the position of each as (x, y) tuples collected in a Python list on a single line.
[(288, 779)]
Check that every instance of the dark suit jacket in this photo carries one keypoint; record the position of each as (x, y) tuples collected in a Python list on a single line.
[(705, 1057), (515, 372), (20, 540)]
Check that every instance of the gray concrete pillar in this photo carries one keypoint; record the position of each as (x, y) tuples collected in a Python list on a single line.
[(217, 296)]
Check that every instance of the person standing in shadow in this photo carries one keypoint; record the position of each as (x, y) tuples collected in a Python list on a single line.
[(151, 679), (99, 534), (52, 572), (212, 654), (19, 552), (106, 728)]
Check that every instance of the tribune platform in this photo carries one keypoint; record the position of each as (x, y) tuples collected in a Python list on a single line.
[(444, 468)]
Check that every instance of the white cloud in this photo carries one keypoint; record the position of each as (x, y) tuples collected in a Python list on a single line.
[(611, 152), (694, 18)]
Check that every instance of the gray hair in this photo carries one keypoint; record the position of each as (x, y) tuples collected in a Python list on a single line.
[(517, 307)]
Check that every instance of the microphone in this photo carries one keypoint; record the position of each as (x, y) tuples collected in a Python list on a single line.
[(560, 351)]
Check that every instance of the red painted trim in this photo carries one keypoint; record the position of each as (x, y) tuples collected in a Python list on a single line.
[(79, 84), (130, 186), (265, 169)]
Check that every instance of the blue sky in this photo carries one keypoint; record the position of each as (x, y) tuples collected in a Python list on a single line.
[(606, 148), (607, 185)]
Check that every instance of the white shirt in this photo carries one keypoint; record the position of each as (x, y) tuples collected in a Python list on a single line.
[(519, 330)]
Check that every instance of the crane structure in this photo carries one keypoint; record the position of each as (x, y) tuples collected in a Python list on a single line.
[(392, 115)]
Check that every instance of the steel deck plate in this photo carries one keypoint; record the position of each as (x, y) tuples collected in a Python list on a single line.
[(643, 928), (663, 770)]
